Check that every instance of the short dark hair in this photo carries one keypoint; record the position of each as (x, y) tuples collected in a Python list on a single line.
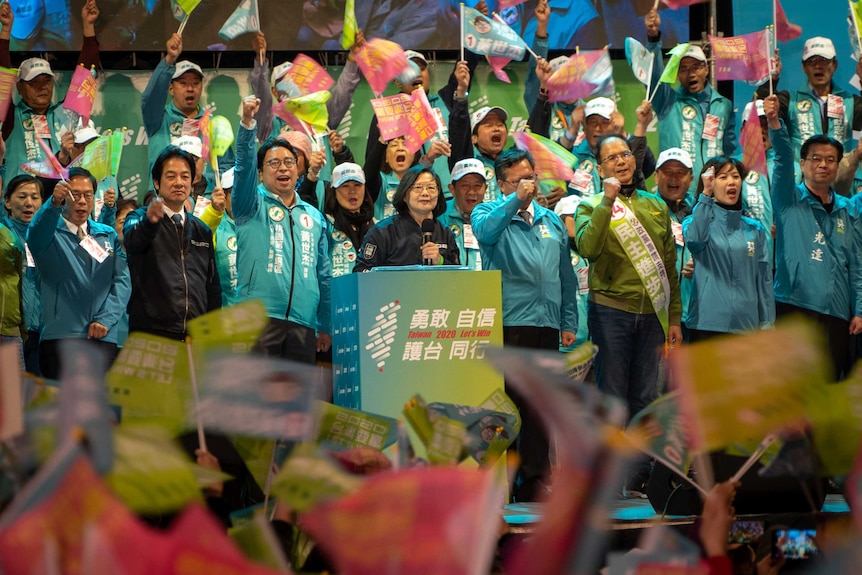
[(78, 172), (821, 139), (19, 181), (509, 158), (399, 200), (167, 154), (271, 144), (718, 163), (607, 137), (130, 203)]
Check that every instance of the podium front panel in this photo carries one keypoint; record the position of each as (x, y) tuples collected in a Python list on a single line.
[(397, 333)]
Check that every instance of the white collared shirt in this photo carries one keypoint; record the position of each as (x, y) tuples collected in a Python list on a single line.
[(170, 213), (74, 229)]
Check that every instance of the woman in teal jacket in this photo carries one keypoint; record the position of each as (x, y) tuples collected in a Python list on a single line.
[(732, 281)]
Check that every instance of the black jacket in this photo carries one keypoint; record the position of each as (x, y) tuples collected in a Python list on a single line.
[(174, 277), (397, 241)]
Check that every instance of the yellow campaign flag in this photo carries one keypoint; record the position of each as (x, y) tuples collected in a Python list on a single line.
[(311, 108), (740, 387), (836, 422), (235, 328), (97, 158), (348, 34)]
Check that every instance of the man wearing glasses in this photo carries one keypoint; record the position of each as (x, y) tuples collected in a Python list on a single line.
[(282, 250), (529, 244), (85, 283), (818, 272), (693, 117)]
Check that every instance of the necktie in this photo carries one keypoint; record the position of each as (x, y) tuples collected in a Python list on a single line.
[(81, 234), (526, 216), (178, 220)]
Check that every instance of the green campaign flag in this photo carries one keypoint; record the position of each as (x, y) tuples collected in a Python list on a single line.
[(116, 142), (443, 437), (151, 474), (149, 382), (580, 360), (308, 478), (348, 34), (182, 8), (342, 428), (96, 158), (235, 328), (836, 422), (661, 427), (672, 67), (243, 20), (258, 542)]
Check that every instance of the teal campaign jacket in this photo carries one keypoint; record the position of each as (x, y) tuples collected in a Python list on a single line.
[(76, 289), (452, 219), (817, 253), (283, 253), (732, 281), (539, 285)]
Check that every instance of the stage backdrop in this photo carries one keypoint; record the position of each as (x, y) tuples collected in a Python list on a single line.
[(118, 106)]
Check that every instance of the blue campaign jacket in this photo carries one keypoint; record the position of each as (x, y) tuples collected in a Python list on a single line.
[(816, 253), (283, 253), (30, 284), (225, 258), (732, 281), (76, 289), (539, 285), (757, 199)]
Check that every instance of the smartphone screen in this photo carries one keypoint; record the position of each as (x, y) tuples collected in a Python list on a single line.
[(794, 544), (745, 531)]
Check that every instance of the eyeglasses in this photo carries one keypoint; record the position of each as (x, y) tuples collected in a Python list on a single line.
[(86, 195), (816, 159), (817, 61), (276, 163), (430, 188), (627, 155), (693, 68), (530, 178)]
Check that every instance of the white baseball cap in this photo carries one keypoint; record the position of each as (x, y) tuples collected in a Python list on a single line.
[(227, 179), (279, 72), (695, 52), (32, 67), (818, 46), (676, 155), (480, 114), (84, 134), (558, 62), (468, 166), (186, 66), (604, 107), (347, 172), (747, 110), (414, 55), (190, 144), (567, 205)]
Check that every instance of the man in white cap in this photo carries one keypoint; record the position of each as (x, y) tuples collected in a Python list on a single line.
[(183, 81), (756, 198), (818, 107), (194, 146), (673, 177), (34, 116), (693, 117), (74, 144), (467, 187), (267, 86)]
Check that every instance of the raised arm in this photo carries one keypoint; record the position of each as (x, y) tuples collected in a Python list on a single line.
[(260, 86), (155, 94), (783, 188), (244, 197)]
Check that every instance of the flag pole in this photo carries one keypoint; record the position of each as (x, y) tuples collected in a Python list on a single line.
[(194, 378), (183, 24), (462, 31), (769, 57), (649, 76)]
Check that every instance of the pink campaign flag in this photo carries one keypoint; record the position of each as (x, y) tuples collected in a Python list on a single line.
[(7, 83), (309, 76), (81, 93), (380, 62), (49, 167), (743, 57), (677, 4), (784, 30), (548, 165), (409, 116), (751, 138), (508, 3), (577, 78), (497, 64)]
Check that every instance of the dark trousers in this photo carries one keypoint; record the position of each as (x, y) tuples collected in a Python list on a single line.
[(31, 353), (287, 340), (50, 360), (532, 444), (836, 331)]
